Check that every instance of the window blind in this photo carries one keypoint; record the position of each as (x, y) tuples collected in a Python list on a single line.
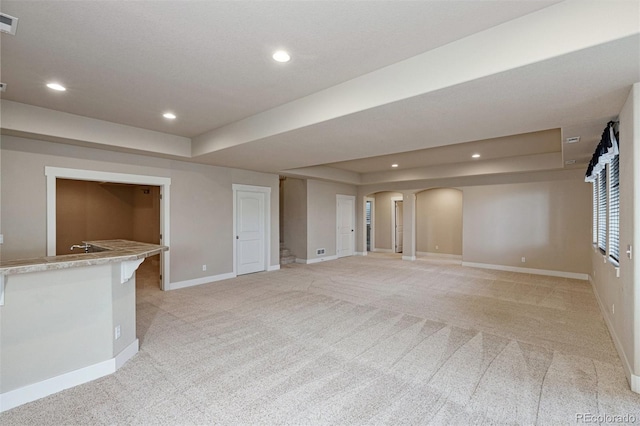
[(594, 232), (602, 210), (368, 212), (614, 208)]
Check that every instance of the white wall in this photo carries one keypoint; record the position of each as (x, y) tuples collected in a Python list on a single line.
[(623, 292), (201, 202)]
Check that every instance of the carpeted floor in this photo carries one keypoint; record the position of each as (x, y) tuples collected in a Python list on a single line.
[(360, 340)]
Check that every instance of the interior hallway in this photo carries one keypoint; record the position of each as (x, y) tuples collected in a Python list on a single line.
[(359, 340)]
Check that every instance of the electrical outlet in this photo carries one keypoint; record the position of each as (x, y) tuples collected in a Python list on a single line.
[(523, 259), (320, 251), (204, 267), (1, 239), (117, 332), (437, 247)]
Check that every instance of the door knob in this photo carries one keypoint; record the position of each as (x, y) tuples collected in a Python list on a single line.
[(237, 237)]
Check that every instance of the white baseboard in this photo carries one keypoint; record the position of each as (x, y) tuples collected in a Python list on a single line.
[(360, 253), (634, 381), (382, 250), (317, 260), (273, 268), (29, 393), (408, 258), (199, 281), (550, 273), (127, 353), (442, 255)]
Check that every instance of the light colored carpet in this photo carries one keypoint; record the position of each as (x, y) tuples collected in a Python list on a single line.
[(360, 340)]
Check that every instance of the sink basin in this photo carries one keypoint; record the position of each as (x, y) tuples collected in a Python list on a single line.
[(94, 249)]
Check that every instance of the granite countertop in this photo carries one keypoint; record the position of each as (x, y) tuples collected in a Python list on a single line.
[(114, 251)]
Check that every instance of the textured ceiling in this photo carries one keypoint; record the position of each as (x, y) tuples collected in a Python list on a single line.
[(210, 61), (543, 142), (126, 62)]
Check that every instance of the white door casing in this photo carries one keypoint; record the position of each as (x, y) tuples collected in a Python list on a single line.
[(393, 222), (345, 221), (53, 173), (251, 228)]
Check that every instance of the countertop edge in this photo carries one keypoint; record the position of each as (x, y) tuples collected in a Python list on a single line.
[(118, 251)]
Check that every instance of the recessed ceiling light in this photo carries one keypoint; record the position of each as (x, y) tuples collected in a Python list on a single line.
[(169, 115), (394, 165), (281, 56), (56, 86), (475, 156)]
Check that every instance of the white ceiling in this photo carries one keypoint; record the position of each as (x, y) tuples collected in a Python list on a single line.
[(209, 62)]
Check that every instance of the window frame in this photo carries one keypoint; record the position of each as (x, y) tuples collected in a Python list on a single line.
[(602, 210), (613, 210)]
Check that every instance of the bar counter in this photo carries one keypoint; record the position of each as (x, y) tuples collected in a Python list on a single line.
[(66, 320)]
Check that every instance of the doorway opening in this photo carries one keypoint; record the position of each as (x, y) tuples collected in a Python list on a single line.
[(92, 211), (370, 223), (113, 184)]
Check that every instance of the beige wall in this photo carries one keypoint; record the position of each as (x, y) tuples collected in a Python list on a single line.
[(1, 194), (59, 321), (294, 214), (146, 214), (382, 225), (321, 215), (624, 292), (439, 221), (548, 223), (88, 210), (310, 216), (201, 202), (49, 314)]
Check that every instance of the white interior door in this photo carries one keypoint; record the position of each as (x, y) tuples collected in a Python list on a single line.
[(250, 232), (399, 226), (345, 238)]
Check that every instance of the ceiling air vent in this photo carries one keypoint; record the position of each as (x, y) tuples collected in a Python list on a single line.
[(8, 24), (573, 140), (568, 162), (3, 87)]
